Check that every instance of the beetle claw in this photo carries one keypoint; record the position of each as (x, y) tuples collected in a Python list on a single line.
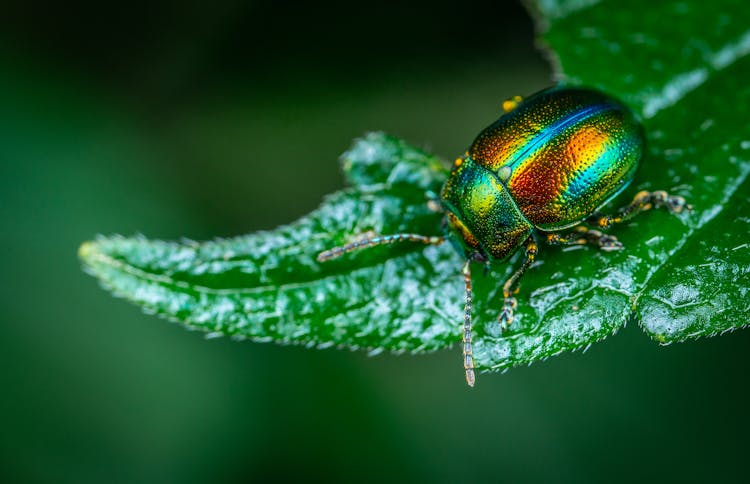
[(673, 203), (506, 314), (677, 204), (609, 243)]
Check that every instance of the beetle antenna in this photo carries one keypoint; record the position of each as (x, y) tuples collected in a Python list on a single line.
[(378, 240), (468, 349)]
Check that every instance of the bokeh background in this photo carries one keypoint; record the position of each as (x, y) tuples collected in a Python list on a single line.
[(199, 120)]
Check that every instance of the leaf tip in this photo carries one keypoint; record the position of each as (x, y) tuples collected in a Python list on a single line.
[(92, 254), (87, 251)]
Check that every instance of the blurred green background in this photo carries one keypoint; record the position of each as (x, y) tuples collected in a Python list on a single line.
[(187, 120)]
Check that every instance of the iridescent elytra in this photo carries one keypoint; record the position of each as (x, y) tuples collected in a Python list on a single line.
[(541, 172)]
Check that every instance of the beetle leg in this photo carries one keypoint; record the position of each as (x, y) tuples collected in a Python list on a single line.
[(378, 240), (511, 286), (468, 349), (581, 235), (511, 103), (641, 202)]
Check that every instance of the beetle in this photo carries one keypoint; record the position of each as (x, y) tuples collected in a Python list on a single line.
[(542, 171)]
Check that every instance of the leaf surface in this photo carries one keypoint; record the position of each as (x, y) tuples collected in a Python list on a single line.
[(683, 66), (681, 277)]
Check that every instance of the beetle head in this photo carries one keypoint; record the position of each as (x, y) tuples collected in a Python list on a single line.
[(483, 221)]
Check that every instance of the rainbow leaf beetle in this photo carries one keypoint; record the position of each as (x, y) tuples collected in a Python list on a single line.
[(541, 171)]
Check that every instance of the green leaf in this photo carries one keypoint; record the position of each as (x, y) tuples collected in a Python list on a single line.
[(269, 286), (681, 276), (684, 66)]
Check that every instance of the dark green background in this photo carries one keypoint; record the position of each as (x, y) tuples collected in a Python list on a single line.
[(185, 121)]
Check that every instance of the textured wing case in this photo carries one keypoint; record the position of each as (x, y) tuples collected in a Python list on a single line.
[(562, 154)]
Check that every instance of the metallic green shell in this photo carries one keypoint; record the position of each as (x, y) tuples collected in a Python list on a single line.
[(481, 213)]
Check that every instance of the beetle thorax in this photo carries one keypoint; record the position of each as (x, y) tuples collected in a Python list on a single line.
[(482, 218)]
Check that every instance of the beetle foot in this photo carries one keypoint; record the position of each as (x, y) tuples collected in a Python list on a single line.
[(506, 315), (673, 203), (605, 241)]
